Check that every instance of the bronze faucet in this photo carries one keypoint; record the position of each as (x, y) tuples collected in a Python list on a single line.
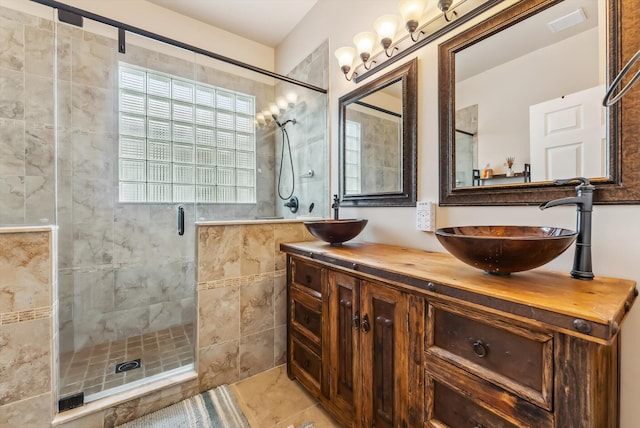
[(584, 206), (335, 206)]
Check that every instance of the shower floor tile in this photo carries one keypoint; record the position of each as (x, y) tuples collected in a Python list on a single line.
[(93, 369)]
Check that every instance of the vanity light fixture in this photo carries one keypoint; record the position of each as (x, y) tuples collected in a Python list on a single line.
[(411, 11), (421, 30), (386, 27), (365, 42), (444, 6), (269, 116), (345, 56)]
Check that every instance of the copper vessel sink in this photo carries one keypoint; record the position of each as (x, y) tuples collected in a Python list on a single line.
[(501, 250), (335, 232)]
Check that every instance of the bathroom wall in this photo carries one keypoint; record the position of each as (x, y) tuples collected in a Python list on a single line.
[(242, 298), (27, 355), (616, 236), (380, 159), (308, 138), (26, 119)]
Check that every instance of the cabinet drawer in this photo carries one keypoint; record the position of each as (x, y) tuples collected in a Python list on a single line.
[(306, 315), (513, 357), (306, 365), (455, 410), (307, 275), (456, 398)]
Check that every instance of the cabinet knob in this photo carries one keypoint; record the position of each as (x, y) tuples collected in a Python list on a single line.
[(355, 321), (480, 348), (308, 279), (431, 286), (306, 364), (306, 318), (366, 327)]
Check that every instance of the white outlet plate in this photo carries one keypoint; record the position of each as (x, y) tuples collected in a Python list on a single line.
[(425, 216)]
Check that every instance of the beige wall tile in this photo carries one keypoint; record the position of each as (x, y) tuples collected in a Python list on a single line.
[(94, 420), (257, 255), (34, 412), (280, 345), (25, 360), (218, 252), (25, 271), (286, 232), (219, 315), (256, 353), (256, 305), (280, 298), (218, 364)]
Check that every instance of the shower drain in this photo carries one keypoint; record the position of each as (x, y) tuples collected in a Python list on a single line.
[(128, 365)]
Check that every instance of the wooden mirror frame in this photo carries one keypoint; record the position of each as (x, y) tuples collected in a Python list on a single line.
[(406, 196), (623, 184)]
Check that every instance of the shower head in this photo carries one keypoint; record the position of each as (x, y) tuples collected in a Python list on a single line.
[(275, 119), (282, 125)]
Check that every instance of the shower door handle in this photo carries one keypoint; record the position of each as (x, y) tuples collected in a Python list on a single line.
[(180, 220)]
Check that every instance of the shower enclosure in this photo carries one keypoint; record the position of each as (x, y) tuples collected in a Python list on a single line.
[(130, 141)]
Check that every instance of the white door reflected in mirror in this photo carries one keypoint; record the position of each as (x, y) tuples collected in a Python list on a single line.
[(563, 131)]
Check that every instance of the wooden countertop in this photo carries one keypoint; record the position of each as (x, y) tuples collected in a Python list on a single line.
[(549, 297)]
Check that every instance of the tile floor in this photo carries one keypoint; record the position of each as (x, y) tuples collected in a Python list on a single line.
[(272, 400), (92, 369)]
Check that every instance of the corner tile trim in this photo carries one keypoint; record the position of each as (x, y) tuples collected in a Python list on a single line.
[(7, 318), (243, 280)]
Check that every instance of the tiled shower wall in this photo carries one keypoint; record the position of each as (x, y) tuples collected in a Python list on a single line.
[(380, 158), (242, 299), (308, 138), (26, 119), (26, 351)]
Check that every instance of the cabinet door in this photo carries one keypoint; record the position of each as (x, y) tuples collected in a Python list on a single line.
[(344, 323), (383, 345)]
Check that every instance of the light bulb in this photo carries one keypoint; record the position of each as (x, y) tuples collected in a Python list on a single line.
[(386, 28), (411, 10), (292, 98), (364, 44), (260, 119), (345, 57), (282, 103), (274, 109)]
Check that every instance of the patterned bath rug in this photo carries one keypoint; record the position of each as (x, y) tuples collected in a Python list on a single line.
[(216, 408)]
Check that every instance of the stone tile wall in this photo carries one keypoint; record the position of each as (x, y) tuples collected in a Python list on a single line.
[(26, 350), (308, 137), (242, 299), (26, 119)]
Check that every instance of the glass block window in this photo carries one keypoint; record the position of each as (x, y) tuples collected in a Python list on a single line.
[(352, 162), (182, 141)]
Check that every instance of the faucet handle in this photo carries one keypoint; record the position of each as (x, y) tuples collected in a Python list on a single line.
[(584, 182)]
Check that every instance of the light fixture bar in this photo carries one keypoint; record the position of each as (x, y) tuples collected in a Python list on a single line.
[(465, 10)]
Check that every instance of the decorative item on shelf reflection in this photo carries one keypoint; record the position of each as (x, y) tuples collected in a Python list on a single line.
[(385, 33), (268, 117), (509, 165)]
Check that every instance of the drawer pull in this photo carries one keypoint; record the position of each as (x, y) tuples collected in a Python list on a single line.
[(386, 321), (366, 327), (431, 286), (306, 364), (480, 348), (355, 321), (308, 279), (307, 319)]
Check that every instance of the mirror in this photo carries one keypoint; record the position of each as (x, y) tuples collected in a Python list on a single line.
[(521, 105), (378, 141)]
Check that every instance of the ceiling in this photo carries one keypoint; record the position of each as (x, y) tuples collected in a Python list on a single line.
[(264, 21)]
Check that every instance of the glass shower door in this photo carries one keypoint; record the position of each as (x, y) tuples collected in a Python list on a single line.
[(126, 209)]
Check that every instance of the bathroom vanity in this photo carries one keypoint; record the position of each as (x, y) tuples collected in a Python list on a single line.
[(388, 336)]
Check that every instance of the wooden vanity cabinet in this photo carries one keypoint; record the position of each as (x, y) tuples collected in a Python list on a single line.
[(367, 341), (387, 336), (358, 367)]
